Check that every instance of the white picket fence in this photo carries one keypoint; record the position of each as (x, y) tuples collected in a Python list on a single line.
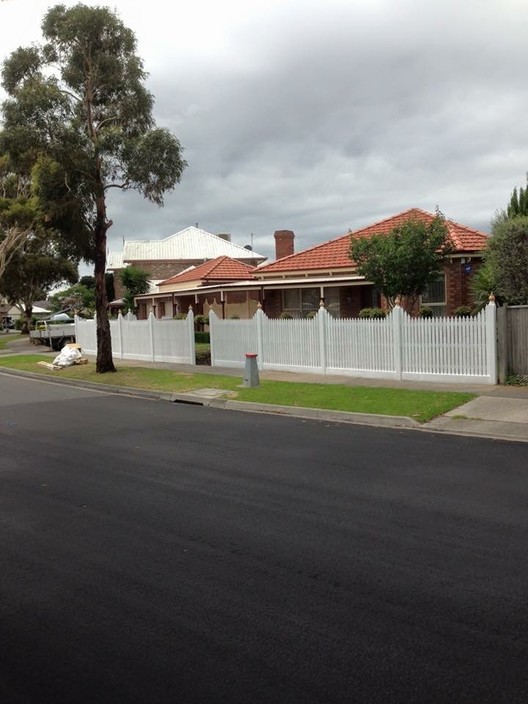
[(148, 340), (397, 347)]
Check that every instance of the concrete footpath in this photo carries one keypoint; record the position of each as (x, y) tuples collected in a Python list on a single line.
[(499, 412)]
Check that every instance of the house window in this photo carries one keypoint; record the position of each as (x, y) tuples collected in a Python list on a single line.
[(333, 301), (434, 296), (298, 302)]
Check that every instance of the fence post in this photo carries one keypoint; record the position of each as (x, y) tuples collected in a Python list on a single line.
[(259, 316), (95, 346), (322, 319), (502, 343), (212, 320), (190, 332), (151, 334), (396, 318), (491, 338), (120, 333)]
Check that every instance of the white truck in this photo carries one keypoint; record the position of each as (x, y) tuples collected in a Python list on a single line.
[(54, 334)]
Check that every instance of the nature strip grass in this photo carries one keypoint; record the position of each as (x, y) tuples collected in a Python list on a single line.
[(420, 405), (5, 339)]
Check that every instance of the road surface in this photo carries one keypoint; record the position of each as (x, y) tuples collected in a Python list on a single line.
[(153, 552)]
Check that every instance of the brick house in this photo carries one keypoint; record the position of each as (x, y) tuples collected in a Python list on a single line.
[(328, 265), (295, 283), (166, 257)]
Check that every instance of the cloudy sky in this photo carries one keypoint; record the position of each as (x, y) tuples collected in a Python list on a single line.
[(323, 115)]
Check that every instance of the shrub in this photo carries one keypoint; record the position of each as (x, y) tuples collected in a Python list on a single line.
[(285, 316), (203, 357), (202, 337), (180, 316), (235, 317), (462, 312), (200, 321), (372, 313), (426, 312), (311, 314)]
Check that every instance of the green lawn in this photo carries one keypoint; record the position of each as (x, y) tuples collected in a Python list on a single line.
[(420, 405), (10, 337)]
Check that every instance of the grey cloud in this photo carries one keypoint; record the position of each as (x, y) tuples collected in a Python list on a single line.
[(334, 115)]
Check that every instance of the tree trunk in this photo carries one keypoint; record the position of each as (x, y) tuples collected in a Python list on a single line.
[(104, 361), (28, 315)]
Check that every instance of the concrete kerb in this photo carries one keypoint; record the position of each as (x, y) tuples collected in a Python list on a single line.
[(457, 424)]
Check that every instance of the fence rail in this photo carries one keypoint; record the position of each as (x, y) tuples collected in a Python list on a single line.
[(148, 340), (397, 347)]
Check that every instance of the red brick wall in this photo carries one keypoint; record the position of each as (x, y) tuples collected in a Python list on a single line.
[(458, 284)]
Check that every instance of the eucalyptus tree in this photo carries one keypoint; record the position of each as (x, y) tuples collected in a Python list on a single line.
[(18, 211), (79, 104)]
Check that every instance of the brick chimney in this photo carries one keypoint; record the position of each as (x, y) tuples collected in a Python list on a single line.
[(283, 243)]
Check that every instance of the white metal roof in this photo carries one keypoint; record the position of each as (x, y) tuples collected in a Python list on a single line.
[(190, 244), (114, 260)]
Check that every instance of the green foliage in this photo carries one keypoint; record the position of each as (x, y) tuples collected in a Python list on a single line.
[(19, 211), (33, 271), (372, 313), (517, 380), (507, 259), (180, 316), (88, 282), (402, 262), (135, 282), (79, 298), (200, 321), (202, 337), (426, 312), (463, 312), (285, 316), (78, 119), (483, 283), (518, 204), (203, 357)]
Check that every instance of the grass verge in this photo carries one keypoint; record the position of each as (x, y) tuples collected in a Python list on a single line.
[(420, 405), (10, 337)]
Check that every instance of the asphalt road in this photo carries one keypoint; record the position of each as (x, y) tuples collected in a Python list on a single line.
[(152, 552)]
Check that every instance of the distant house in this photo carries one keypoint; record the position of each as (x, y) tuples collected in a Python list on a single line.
[(40, 310), (167, 257), (297, 282), (191, 287)]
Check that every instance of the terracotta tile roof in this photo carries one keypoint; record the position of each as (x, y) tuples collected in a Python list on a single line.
[(334, 254), (220, 269)]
